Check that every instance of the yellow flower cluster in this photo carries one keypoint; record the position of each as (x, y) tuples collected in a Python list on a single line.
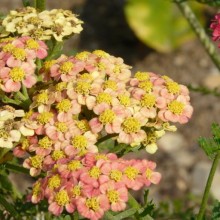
[(57, 23)]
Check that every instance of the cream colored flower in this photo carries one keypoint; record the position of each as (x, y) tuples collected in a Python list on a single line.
[(27, 21), (7, 139)]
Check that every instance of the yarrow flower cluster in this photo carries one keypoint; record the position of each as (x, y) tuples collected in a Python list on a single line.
[(78, 103), (215, 27), (93, 184), (93, 95), (17, 62), (57, 23)]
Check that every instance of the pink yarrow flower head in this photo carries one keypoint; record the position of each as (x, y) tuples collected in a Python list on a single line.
[(18, 58), (215, 27), (93, 207)]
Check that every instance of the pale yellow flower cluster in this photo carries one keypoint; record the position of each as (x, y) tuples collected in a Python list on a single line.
[(57, 23), (11, 131)]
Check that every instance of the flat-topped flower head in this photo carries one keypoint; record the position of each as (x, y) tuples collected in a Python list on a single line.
[(44, 25)]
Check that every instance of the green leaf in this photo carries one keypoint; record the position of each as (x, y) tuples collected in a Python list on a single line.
[(216, 133), (55, 49), (209, 146), (125, 214), (9, 207), (26, 3), (158, 23), (210, 2), (216, 211)]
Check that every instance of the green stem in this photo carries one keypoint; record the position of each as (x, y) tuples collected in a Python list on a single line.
[(5, 99), (208, 186), (40, 4), (20, 96), (199, 30), (15, 168), (105, 138), (25, 92)]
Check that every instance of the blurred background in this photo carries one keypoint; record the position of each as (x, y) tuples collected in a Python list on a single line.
[(152, 35)]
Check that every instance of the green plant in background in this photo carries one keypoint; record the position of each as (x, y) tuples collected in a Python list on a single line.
[(159, 24)]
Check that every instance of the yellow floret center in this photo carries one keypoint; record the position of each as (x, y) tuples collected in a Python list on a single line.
[(66, 67), (142, 76), (36, 189), (86, 76), (148, 173), (131, 172), (8, 48), (64, 106), (61, 86), (37, 33), (42, 98), (44, 117), (124, 100), (101, 157), (54, 182), (100, 53), (47, 64), (83, 125), (95, 172), (74, 165), (34, 20), (76, 191), (45, 143), (83, 55), (28, 114), (62, 198), (80, 142), (117, 69), (7, 39), (19, 53), (61, 126), (101, 66), (110, 84), (25, 144), (107, 116), (4, 134), (146, 86), (83, 88), (131, 125), (104, 97), (148, 100), (36, 161), (92, 203), (17, 74), (116, 175), (173, 87), (57, 154), (32, 44), (113, 196), (176, 107)]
